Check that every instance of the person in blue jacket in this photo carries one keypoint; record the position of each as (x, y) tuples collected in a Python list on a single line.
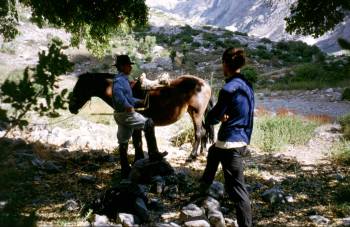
[(126, 117), (234, 109)]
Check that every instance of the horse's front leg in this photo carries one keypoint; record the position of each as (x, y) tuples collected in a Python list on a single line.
[(137, 142)]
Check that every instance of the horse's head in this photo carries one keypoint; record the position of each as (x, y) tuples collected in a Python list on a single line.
[(89, 85), (80, 95)]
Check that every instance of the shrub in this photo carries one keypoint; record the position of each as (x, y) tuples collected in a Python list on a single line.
[(297, 52), (265, 40), (240, 33), (184, 136), (250, 74), (232, 43), (309, 72), (346, 94), (345, 124), (209, 37), (341, 152), (272, 133)]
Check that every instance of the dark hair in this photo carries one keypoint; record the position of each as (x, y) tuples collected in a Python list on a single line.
[(234, 58)]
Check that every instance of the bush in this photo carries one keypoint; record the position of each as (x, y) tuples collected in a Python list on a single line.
[(272, 133), (345, 124), (265, 40), (250, 74), (240, 33), (209, 37), (232, 43), (341, 152), (309, 72), (346, 94), (297, 52)]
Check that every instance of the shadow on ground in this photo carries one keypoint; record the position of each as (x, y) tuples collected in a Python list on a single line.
[(39, 182)]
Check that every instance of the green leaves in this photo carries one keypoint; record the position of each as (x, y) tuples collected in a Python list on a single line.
[(310, 17), (94, 21), (37, 89)]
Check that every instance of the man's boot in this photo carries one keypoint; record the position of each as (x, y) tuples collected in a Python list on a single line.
[(153, 152), (137, 142), (123, 152)]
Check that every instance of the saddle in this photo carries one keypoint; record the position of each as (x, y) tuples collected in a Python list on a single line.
[(162, 81)]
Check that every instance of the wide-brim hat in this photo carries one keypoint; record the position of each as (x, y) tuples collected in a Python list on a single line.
[(123, 60)]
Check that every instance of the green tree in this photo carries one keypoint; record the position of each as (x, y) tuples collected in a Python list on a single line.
[(312, 17), (94, 21)]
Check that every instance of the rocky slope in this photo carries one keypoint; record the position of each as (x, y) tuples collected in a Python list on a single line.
[(256, 17)]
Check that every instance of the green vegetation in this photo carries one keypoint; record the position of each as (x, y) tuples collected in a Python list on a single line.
[(346, 94), (341, 152), (341, 149), (333, 73), (272, 133), (303, 19), (35, 91), (345, 124), (250, 73), (94, 24)]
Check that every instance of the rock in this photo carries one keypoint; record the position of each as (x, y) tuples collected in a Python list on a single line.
[(144, 169), (289, 199), (171, 224), (344, 221), (171, 191), (127, 220), (52, 167), (273, 195), (3, 204), (155, 204), (71, 205), (329, 90), (101, 220), (211, 204), (319, 220), (158, 184), (216, 218), (230, 222), (191, 211), (170, 215), (197, 223), (87, 179), (216, 190)]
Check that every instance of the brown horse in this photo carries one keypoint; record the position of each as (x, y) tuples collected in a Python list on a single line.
[(166, 104)]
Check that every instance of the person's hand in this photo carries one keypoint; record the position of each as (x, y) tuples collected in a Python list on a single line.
[(224, 118), (141, 102), (132, 83), (129, 109)]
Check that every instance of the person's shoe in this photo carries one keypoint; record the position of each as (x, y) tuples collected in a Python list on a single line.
[(157, 156)]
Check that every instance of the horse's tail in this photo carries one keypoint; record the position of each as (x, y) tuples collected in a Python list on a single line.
[(209, 129)]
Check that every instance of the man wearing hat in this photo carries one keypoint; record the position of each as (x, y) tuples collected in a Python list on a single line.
[(126, 117)]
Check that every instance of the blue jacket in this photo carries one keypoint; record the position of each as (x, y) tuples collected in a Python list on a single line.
[(236, 99), (122, 93)]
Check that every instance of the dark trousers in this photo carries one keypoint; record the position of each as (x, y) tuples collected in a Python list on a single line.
[(232, 166)]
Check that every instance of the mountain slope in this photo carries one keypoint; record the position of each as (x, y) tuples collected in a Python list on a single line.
[(256, 17)]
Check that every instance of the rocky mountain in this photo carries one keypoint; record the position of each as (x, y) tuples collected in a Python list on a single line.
[(256, 17)]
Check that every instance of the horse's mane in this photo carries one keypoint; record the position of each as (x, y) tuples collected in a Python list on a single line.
[(96, 75)]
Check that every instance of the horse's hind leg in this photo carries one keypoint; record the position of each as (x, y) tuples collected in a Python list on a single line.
[(137, 142), (197, 125)]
